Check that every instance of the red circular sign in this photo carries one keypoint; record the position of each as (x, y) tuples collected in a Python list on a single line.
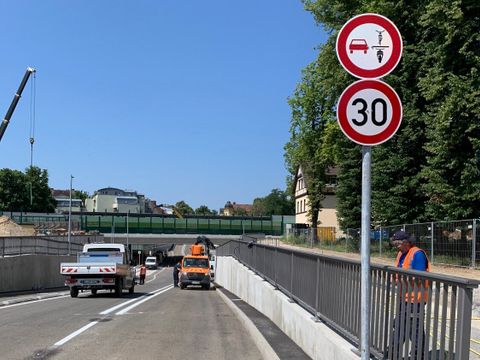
[(369, 112), (369, 46)]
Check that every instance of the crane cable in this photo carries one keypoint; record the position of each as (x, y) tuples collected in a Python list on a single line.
[(33, 92), (32, 116)]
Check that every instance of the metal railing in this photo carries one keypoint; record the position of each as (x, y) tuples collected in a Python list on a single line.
[(436, 324), (445, 242), (40, 245)]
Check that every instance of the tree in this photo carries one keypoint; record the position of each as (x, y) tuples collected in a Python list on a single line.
[(26, 192), (204, 210), (13, 190), (80, 194), (429, 169), (41, 199), (277, 202), (183, 208), (450, 84), (313, 123)]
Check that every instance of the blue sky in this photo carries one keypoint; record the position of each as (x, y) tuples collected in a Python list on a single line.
[(176, 100)]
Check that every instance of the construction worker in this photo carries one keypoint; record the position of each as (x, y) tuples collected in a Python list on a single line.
[(143, 273), (176, 270), (410, 257)]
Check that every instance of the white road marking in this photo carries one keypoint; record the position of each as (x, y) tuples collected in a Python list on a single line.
[(108, 311), (154, 276), (33, 301), (141, 299), (121, 312), (75, 333)]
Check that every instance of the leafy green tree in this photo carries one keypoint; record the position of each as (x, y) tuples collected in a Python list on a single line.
[(313, 123), (450, 83), (277, 202), (429, 169), (80, 194), (204, 210), (41, 197), (183, 208), (27, 191), (13, 190)]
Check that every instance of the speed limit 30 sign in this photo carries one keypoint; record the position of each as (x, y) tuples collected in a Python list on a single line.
[(369, 112)]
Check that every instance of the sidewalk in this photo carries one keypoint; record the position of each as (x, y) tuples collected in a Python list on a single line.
[(16, 298)]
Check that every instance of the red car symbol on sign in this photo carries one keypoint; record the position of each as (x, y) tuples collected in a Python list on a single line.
[(358, 44)]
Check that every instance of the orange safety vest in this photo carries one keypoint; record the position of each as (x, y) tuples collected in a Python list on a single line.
[(143, 270), (422, 296)]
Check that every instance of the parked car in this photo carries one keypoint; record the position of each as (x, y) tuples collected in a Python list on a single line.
[(151, 262)]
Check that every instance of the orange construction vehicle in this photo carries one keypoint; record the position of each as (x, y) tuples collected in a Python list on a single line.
[(195, 268)]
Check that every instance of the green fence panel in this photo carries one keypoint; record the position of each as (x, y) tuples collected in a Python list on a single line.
[(157, 225), (181, 226)]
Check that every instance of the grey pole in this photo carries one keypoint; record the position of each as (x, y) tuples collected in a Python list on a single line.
[(474, 243), (365, 254), (127, 233), (431, 242), (69, 235)]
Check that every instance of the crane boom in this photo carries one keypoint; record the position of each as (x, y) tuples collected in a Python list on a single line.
[(15, 100), (177, 213)]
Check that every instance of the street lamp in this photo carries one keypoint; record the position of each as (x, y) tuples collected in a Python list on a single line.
[(69, 235), (129, 254)]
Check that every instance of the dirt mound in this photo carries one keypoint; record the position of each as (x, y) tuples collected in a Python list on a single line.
[(9, 228)]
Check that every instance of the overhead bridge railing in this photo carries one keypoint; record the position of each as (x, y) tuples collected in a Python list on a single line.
[(44, 245), (412, 312)]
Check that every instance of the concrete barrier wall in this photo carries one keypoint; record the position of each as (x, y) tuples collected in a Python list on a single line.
[(31, 272), (315, 338)]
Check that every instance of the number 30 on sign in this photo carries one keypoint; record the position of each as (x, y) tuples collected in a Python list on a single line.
[(369, 112)]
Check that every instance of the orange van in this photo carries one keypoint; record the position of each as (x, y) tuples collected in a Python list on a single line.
[(195, 269)]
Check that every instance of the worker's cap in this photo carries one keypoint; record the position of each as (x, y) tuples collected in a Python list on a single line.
[(401, 235)]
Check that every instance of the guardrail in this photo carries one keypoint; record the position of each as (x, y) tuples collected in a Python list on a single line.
[(41, 245), (436, 325)]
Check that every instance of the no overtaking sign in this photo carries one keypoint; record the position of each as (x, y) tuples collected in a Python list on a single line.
[(369, 46)]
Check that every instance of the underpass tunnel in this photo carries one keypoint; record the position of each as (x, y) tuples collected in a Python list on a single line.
[(166, 254)]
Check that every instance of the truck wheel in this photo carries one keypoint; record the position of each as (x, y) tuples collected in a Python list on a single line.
[(182, 286), (118, 287), (205, 287), (73, 291), (131, 290), (94, 291)]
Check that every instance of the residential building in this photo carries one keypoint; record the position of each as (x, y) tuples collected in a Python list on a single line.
[(232, 209), (63, 205), (327, 216), (62, 197), (116, 200)]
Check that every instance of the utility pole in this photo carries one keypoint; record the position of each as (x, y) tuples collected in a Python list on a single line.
[(129, 255), (69, 235)]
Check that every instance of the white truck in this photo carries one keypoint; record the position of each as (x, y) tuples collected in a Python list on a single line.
[(100, 266)]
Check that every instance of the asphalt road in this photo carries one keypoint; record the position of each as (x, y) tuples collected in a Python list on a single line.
[(157, 322)]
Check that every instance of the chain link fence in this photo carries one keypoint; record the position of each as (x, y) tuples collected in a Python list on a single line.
[(445, 242)]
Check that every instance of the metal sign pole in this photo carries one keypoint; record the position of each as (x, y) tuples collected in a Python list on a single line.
[(365, 254)]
